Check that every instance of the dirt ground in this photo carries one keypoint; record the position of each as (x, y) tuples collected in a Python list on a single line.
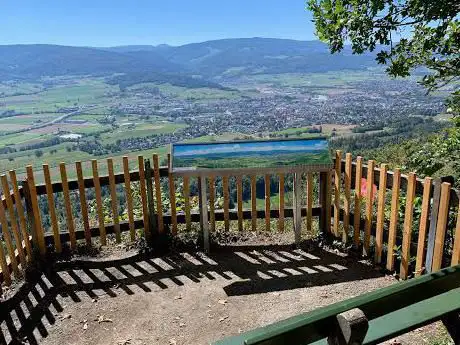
[(186, 298)]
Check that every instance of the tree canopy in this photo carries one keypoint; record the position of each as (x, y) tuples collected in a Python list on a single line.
[(409, 34)]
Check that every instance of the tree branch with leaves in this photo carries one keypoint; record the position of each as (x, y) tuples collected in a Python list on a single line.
[(429, 32)]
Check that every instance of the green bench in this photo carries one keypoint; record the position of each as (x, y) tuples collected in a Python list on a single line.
[(390, 311)]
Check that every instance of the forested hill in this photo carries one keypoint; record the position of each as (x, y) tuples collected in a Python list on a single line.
[(206, 60)]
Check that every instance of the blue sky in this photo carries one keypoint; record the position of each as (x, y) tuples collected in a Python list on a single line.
[(175, 22)]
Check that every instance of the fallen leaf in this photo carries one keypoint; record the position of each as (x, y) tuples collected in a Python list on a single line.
[(223, 318), (172, 342), (178, 297), (85, 326), (223, 301)]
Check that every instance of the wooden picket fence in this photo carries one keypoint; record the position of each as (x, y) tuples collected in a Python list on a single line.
[(344, 209)]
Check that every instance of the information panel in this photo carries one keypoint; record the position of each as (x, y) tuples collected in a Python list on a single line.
[(252, 156)]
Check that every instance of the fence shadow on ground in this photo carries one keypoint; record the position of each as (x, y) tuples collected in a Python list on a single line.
[(25, 316)]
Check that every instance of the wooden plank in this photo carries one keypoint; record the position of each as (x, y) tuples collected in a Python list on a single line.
[(8, 241), (441, 226), (156, 176), (212, 201), (369, 207), (143, 192), (426, 201), (357, 211), (13, 220), (456, 248), (187, 202), (407, 227), (347, 197), (394, 213), (328, 201), (309, 202), (380, 213), (150, 199), (297, 208), (432, 227), (337, 185), (83, 203), (281, 203), (204, 214), (239, 198), (4, 265), (68, 206), (172, 199), (52, 209), (21, 215), (37, 219), (100, 210), (267, 202), (114, 200), (129, 198), (253, 202)]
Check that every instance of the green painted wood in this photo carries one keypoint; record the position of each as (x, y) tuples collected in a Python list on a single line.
[(315, 325)]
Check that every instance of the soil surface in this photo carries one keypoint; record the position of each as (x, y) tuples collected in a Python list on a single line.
[(186, 298)]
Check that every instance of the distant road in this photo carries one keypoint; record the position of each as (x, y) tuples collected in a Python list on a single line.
[(52, 122)]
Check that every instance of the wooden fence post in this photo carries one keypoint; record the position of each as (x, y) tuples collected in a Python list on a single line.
[(427, 185), (114, 200), (407, 227), (369, 207), (150, 201), (380, 213), (441, 227), (35, 212), (357, 210), (432, 227), (337, 185), (346, 202)]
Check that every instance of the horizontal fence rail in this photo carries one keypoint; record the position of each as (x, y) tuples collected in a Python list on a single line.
[(404, 223)]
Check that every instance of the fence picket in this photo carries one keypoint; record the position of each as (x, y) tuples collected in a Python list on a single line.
[(346, 201), (114, 200), (357, 210), (143, 192), (100, 211), (129, 198), (253, 203), (172, 198), (427, 185), (52, 209), (281, 203), (456, 248), (83, 203), (309, 202), (188, 220), (38, 235), (380, 213), (369, 206), (13, 220), (8, 240), (21, 215), (407, 227), (394, 213), (156, 176), (337, 185), (239, 199), (212, 201), (68, 206), (267, 202), (4, 267), (441, 226)]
